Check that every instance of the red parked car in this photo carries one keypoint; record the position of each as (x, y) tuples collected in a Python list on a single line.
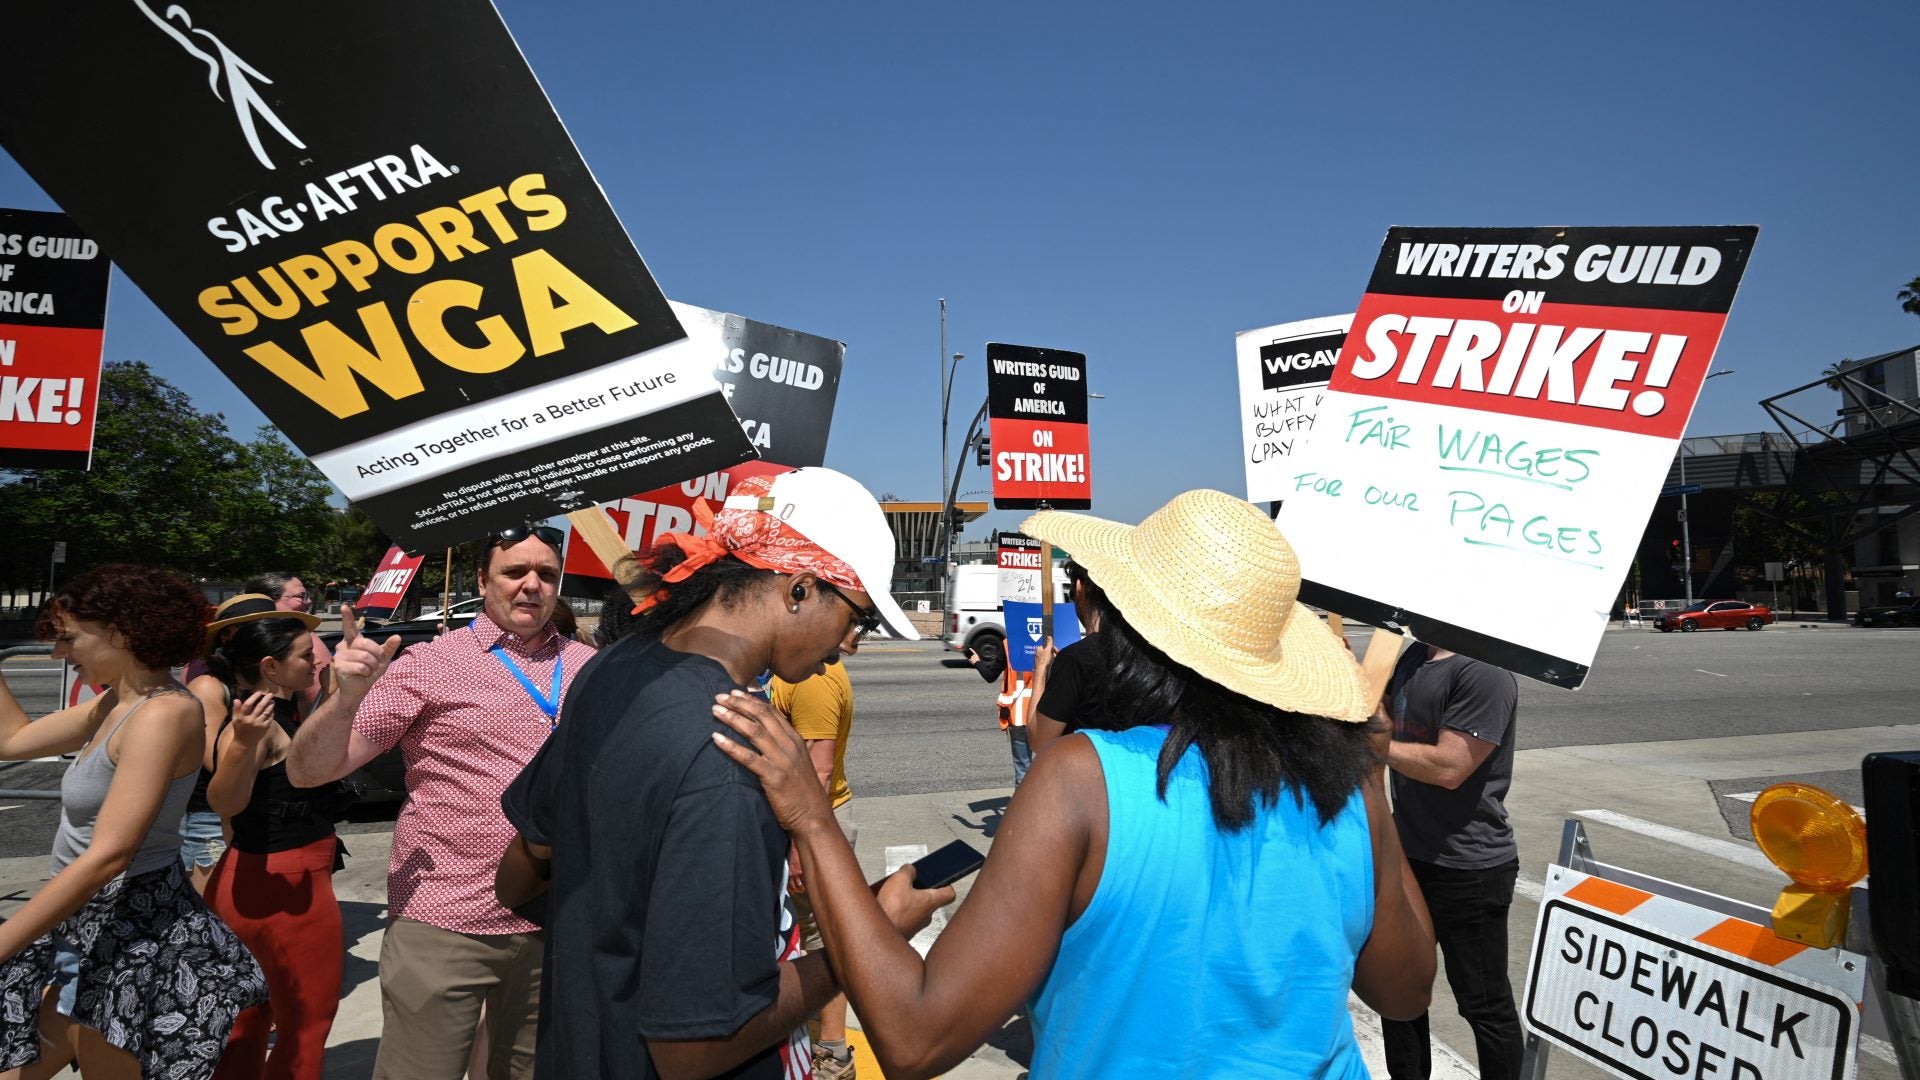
[(1716, 615)]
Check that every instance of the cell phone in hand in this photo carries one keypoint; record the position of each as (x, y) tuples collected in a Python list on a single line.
[(946, 866)]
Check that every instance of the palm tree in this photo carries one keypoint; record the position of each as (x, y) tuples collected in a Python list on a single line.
[(1833, 371), (1910, 297)]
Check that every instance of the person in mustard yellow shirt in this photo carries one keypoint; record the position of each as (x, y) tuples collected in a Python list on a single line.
[(821, 711)]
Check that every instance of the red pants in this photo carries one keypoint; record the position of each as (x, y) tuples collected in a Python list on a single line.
[(282, 906)]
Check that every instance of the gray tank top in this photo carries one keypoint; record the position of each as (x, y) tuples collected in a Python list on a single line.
[(84, 789)]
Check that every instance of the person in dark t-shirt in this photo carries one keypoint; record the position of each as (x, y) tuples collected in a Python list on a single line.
[(672, 948), (1452, 759), (1071, 680)]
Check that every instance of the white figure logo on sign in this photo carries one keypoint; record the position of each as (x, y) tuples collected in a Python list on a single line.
[(1034, 628), (237, 73)]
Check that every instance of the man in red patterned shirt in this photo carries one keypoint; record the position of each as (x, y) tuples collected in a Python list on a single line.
[(468, 710)]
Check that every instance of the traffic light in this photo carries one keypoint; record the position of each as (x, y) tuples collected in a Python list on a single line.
[(982, 455), (956, 520)]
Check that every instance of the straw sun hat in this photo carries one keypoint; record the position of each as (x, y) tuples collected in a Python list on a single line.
[(252, 607), (1208, 580)]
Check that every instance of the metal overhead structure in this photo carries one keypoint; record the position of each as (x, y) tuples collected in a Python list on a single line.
[(1868, 456)]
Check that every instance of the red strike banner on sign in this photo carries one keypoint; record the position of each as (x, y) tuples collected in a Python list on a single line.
[(1627, 369), (643, 519), (389, 584), (1035, 459), (53, 307)]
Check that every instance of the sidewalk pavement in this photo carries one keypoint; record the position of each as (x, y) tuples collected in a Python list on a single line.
[(893, 830)]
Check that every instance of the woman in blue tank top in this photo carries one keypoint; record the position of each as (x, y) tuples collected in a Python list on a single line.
[(115, 964), (1190, 892)]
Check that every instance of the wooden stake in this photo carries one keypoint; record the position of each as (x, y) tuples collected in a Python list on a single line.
[(1383, 651), (594, 528), (446, 587), (1046, 589)]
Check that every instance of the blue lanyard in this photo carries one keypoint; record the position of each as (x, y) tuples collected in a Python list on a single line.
[(549, 702)]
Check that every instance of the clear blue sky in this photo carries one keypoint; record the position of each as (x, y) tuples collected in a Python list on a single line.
[(1140, 181)]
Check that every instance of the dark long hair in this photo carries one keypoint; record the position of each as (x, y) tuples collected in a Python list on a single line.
[(726, 578), (616, 617), (1252, 749), (237, 658)]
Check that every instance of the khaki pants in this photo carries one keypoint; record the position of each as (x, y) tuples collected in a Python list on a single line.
[(432, 983)]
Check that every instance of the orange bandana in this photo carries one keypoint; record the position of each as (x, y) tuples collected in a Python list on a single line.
[(755, 537)]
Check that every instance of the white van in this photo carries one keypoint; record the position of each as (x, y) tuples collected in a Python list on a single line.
[(974, 620)]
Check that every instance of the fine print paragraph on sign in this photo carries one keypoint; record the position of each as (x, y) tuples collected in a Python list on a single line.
[(564, 473)]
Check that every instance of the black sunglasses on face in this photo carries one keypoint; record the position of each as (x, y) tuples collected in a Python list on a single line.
[(869, 621), (546, 534)]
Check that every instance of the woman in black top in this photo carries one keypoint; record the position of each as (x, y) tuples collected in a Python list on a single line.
[(274, 885)]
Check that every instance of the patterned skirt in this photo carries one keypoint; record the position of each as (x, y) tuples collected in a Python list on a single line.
[(160, 976)]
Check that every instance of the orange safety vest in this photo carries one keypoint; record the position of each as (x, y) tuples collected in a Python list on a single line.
[(1013, 699)]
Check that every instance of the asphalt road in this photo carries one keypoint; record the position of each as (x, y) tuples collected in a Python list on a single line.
[(924, 722)]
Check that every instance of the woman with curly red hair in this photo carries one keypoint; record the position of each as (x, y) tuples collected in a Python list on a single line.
[(127, 970)]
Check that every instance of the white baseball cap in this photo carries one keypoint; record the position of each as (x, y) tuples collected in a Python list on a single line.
[(831, 511)]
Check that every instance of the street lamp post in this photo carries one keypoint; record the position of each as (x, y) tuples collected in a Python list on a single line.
[(944, 527), (1686, 530)]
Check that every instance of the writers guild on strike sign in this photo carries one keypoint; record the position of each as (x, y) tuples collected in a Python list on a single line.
[(1283, 372), (1508, 399), (1037, 407), (53, 297)]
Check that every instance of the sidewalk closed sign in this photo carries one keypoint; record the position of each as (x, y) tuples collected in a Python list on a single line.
[(1672, 990)]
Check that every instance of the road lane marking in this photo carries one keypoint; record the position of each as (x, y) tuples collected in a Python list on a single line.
[(1749, 796), (1704, 671), (1705, 845), (1529, 888)]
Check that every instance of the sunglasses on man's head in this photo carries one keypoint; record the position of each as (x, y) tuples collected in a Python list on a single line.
[(869, 620), (546, 534)]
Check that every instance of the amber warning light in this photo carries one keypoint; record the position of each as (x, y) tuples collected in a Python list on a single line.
[(1821, 843)]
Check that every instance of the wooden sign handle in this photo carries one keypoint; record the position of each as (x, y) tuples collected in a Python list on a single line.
[(1383, 651), (1046, 589), (594, 527)]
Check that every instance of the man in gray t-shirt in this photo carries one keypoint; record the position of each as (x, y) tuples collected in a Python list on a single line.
[(1452, 761)]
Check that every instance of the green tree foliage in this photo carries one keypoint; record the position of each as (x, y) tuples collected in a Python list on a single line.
[(168, 487), (1780, 526), (350, 549)]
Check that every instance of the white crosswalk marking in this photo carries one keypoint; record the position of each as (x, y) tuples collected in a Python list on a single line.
[(1749, 796), (1742, 854), (1529, 888)]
